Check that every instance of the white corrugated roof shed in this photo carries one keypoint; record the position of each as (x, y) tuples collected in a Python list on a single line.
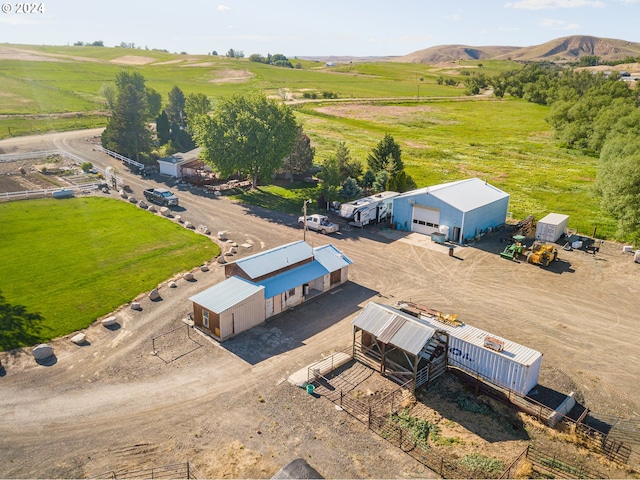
[(554, 219), (331, 258), (226, 294), (512, 350), (269, 261), (394, 327)]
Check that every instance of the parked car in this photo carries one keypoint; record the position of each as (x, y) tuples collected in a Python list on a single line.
[(161, 196), (319, 223)]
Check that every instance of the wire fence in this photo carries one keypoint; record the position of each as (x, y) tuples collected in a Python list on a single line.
[(184, 470)]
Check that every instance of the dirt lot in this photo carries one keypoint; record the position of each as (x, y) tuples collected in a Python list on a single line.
[(111, 405)]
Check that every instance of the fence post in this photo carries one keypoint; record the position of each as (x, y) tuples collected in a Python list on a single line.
[(369, 420), (441, 466), (341, 398)]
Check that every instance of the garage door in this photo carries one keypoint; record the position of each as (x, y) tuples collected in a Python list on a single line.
[(425, 220)]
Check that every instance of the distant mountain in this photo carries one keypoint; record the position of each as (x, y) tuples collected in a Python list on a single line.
[(565, 49)]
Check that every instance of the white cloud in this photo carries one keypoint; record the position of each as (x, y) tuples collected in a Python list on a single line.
[(372, 40), (552, 24), (554, 4), (455, 17), (223, 8)]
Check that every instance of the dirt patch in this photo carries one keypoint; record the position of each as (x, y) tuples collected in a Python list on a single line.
[(169, 62), (232, 76), (132, 60), (8, 53), (383, 113)]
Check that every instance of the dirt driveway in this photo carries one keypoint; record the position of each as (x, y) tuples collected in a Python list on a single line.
[(112, 405)]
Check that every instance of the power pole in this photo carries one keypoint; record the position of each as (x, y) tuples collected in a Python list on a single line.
[(304, 213)]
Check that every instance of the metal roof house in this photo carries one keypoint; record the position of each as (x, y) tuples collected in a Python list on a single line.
[(460, 210), (267, 283), (175, 164), (398, 345)]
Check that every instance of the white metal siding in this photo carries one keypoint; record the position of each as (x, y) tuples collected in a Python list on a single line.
[(425, 220), (551, 227), (494, 366)]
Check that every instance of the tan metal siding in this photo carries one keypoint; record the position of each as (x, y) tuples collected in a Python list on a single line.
[(243, 316)]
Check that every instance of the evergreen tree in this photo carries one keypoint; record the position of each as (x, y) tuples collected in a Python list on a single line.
[(348, 166), (162, 128), (301, 157), (350, 189), (175, 107), (386, 152)]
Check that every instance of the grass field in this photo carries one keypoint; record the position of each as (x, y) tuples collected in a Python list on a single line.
[(75, 260), (444, 135)]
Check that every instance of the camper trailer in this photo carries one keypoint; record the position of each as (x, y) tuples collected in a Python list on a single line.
[(374, 209)]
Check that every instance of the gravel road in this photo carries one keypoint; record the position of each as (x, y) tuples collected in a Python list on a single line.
[(111, 405)]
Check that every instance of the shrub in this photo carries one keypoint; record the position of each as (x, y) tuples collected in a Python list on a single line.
[(86, 166), (478, 463)]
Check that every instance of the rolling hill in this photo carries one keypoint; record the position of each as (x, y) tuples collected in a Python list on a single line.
[(565, 49)]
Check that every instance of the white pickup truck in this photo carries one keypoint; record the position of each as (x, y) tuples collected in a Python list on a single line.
[(319, 223)]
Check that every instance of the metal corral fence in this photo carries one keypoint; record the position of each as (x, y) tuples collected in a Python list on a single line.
[(122, 158), (46, 192), (379, 417), (621, 445), (174, 471), (553, 466)]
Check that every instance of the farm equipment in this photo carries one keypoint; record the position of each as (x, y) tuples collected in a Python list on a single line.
[(514, 249), (542, 253)]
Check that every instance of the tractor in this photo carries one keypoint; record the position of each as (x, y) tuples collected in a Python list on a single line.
[(514, 249), (542, 253)]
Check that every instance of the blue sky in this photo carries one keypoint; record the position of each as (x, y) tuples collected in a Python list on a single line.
[(321, 27)]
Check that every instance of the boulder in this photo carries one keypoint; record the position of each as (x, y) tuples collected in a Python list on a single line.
[(109, 321), (178, 218), (42, 351), (133, 199), (172, 284), (188, 225), (105, 190), (204, 268), (233, 250), (123, 194), (165, 211), (222, 236), (154, 294), (234, 244), (188, 276), (228, 254), (136, 306), (143, 204), (79, 338), (204, 229), (152, 208), (221, 259)]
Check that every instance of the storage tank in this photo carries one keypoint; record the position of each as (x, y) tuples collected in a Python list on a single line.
[(551, 227), (496, 359)]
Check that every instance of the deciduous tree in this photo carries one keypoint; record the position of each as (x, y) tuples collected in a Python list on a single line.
[(248, 134)]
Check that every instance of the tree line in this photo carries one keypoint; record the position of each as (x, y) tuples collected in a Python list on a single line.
[(597, 114), (249, 135)]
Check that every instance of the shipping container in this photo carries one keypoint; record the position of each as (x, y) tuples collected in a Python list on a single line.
[(496, 359), (551, 227)]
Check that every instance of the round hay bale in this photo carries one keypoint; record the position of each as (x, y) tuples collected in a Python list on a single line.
[(42, 351)]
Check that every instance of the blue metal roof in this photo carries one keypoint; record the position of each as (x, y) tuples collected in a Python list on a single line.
[(269, 261), (292, 278), (394, 327), (226, 294), (331, 258)]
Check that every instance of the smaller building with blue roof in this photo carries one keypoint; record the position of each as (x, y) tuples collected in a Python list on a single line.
[(267, 283)]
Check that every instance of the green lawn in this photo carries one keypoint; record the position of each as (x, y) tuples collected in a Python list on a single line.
[(75, 260)]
